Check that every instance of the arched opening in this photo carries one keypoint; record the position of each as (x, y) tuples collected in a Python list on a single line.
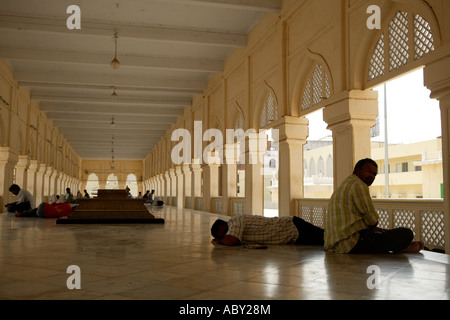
[(407, 144), (92, 185), (270, 175), (318, 175), (132, 184), (269, 114), (112, 182), (240, 163)]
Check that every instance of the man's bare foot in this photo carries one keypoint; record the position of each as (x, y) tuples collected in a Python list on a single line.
[(414, 247)]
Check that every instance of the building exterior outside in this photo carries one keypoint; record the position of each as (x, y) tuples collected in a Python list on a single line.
[(415, 171)]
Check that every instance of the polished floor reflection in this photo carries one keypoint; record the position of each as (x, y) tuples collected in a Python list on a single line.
[(177, 261)]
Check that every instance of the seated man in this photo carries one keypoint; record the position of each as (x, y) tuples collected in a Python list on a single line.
[(25, 200), (351, 219), (263, 230)]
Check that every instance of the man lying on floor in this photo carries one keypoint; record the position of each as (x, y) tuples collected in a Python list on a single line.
[(48, 210), (265, 231)]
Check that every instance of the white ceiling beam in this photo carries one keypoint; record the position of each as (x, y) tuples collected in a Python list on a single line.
[(83, 87), (106, 125), (111, 132), (103, 109), (106, 144), (119, 101), (149, 119), (108, 79), (134, 61), (129, 137), (151, 33), (254, 5), (106, 150)]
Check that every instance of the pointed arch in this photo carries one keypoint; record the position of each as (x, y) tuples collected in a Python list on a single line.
[(314, 84), (330, 166), (3, 123), (312, 168), (268, 108), (239, 121), (321, 167), (407, 36)]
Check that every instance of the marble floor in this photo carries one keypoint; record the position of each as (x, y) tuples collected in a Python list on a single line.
[(176, 261)]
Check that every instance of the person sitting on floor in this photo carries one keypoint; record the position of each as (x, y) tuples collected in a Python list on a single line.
[(265, 231), (25, 200), (351, 220), (68, 197)]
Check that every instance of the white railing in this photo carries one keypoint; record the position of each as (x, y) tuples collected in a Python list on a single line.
[(198, 203), (424, 217), (237, 205), (216, 205)]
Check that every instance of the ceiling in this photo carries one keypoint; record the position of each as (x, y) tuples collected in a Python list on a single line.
[(168, 49)]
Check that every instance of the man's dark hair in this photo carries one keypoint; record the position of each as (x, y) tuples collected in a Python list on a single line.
[(215, 227), (14, 187), (362, 162)]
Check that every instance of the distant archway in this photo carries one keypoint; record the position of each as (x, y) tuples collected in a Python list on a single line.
[(132, 184), (92, 184)]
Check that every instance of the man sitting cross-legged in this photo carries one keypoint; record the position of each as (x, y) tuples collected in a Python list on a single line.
[(351, 220)]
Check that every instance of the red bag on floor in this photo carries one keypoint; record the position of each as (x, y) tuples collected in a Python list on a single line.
[(57, 210)]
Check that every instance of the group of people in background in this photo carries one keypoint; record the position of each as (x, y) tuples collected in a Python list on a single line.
[(24, 206), (59, 205)]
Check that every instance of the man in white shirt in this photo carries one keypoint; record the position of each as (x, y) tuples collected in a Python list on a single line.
[(25, 200)]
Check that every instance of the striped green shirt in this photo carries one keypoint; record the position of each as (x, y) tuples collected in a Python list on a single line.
[(263, 230), (350, 210)]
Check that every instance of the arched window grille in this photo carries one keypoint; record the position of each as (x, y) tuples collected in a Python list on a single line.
[(317, 88), (393, 49), (269, 113)]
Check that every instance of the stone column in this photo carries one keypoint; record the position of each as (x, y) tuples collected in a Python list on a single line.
[(350, 116), (54, 185), (8, 160), (210, 181), (172, 186), (21, 171), (31, 177), (39, 197), (187, 183), (179, 187), (159, 182), (196, 182), (254, 174), (292, 135), (59, 187), (166, 187), (229, 177), (437, 79), (46, 190)]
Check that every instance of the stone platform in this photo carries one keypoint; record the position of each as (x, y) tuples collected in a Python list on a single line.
[(111, 206)]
